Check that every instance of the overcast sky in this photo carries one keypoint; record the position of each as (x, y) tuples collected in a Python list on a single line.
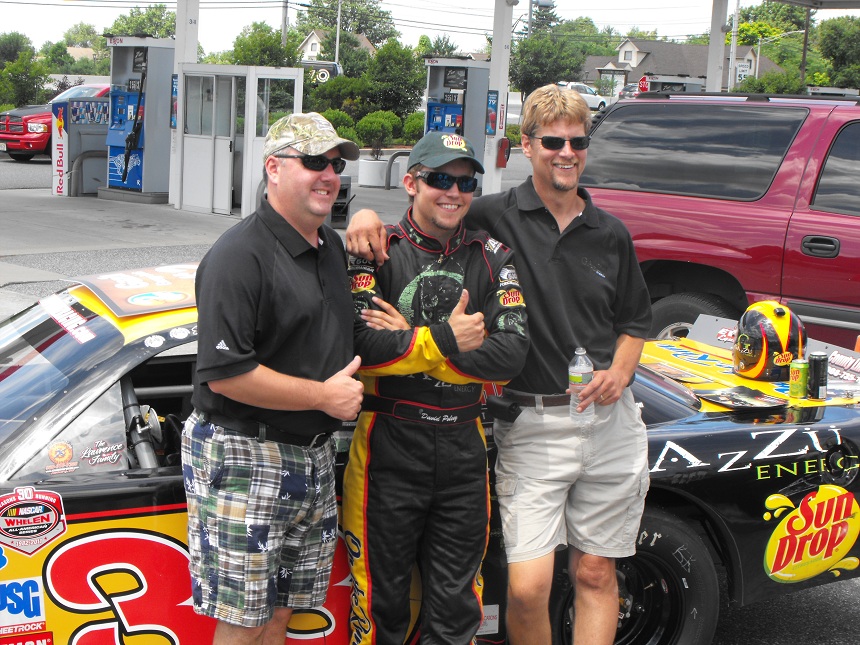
[(222, 20)]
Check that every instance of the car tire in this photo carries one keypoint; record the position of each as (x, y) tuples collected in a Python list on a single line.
[(673, 316), (668, 592), (601, 106), (17, 156)]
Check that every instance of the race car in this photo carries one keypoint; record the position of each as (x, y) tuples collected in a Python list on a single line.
[(95, 382)]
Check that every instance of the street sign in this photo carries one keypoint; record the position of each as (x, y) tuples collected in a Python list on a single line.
[(743, 70), (643, 84)]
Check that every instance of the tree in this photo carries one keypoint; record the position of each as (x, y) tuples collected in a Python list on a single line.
[(57, 58), (583, 34), (838, 42), (356, 16), (544, 59), (260, 44), (397, 79), (351, 95), (12, 44), (155, 21), (443, 47), (351, 56), (641, 34), (544, 19), (81, 35), (776, 14), (424, 46), (22, 80)]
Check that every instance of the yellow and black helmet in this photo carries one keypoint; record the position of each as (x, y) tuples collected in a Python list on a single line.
[(769, 337)]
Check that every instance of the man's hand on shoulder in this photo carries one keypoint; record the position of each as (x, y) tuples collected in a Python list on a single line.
[(365, 236)]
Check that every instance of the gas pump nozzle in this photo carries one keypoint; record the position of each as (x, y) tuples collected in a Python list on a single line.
[(131, 141)]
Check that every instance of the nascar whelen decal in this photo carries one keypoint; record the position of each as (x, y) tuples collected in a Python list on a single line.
[(814, 537), (30, 519)]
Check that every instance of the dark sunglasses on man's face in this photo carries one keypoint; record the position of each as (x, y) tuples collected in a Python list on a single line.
[(443, 181), (557, 143), (318, 163)]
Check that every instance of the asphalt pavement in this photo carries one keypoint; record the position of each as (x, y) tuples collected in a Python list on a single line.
[(48, 240)]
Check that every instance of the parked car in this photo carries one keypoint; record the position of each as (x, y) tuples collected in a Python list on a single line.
[(594, 100), (26, 131), (629, 91), (734, 198), (96, 380)]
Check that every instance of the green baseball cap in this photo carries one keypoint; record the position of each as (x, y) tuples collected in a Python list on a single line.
[(310, 134), (435, 149)]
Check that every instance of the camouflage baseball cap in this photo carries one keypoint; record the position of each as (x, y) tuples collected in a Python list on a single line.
[(435, 149), (310, 134)]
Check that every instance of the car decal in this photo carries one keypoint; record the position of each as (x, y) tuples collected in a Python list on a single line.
[(30, 519), (814, 537)]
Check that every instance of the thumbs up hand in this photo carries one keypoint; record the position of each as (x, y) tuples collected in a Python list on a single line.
[(468, 328)]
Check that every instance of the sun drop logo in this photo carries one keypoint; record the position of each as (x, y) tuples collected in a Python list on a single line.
[(814, 537)]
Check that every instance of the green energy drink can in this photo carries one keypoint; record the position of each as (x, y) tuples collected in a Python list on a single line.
[(798, 375), (816, 384)]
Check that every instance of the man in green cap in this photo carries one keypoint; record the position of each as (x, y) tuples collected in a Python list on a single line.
[(441, 318), (274, 380)]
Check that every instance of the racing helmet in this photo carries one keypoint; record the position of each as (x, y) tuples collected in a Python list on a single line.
[(769, 337)]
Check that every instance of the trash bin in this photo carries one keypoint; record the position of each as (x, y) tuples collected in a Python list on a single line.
[(340, 210)]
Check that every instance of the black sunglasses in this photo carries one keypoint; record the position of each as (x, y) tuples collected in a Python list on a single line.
[(443, 181), (557, 143), (318, 163)]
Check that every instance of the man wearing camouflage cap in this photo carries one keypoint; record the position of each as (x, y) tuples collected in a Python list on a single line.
[(274, 380)]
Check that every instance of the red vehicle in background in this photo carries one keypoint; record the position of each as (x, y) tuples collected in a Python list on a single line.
[(26, 131)]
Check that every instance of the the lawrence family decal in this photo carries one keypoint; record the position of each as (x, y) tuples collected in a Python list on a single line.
[(813, 537), (30, 519)]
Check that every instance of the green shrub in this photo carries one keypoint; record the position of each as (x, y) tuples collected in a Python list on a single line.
[(5, 107), (376, 132), (392, 119), (512, 132), (346, 132), (413, 127), (339, 119)]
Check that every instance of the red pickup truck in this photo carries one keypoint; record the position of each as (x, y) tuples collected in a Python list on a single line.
[(732, 199), (26, 131)]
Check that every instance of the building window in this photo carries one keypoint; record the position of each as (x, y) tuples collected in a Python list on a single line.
[(314, 47), (628, 55)]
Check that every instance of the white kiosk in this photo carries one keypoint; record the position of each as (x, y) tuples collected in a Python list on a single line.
[(221, 117)]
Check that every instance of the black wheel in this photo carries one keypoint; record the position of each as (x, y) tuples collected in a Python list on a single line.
[(668, 592), (17, 156), (601, 107), (673, 315)]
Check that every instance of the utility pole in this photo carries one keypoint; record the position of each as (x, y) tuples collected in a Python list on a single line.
[(337, 35), (285, 23), (732, 81)]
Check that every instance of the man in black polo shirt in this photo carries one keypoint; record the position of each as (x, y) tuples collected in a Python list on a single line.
[(558, 484), (274, 380)]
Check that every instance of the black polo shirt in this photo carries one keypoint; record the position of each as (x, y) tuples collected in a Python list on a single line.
[(583, 287), (267, 297)]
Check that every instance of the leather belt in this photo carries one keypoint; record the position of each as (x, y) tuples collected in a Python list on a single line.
[(537, 400), (263, 431), (412, 411)]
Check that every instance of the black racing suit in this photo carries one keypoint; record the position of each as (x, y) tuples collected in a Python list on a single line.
[(415, 487)]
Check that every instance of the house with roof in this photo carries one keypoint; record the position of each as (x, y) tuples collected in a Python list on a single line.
[(680, 64), (311, 46)]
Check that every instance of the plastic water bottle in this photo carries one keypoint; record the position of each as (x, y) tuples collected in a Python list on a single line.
[(579, 374)]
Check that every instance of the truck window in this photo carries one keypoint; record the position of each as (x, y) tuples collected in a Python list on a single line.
[(838, 190), (722, 151)]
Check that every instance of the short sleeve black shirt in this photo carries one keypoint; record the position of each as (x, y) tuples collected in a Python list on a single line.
[(267, 297), (583, 287)]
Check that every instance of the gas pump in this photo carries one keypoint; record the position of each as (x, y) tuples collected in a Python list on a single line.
[(138, 136), (457, 93)]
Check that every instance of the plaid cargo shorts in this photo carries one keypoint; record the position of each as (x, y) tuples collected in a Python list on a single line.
[(262, 523)]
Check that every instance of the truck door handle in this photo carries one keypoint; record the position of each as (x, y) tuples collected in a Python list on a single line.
[(820, 246)]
